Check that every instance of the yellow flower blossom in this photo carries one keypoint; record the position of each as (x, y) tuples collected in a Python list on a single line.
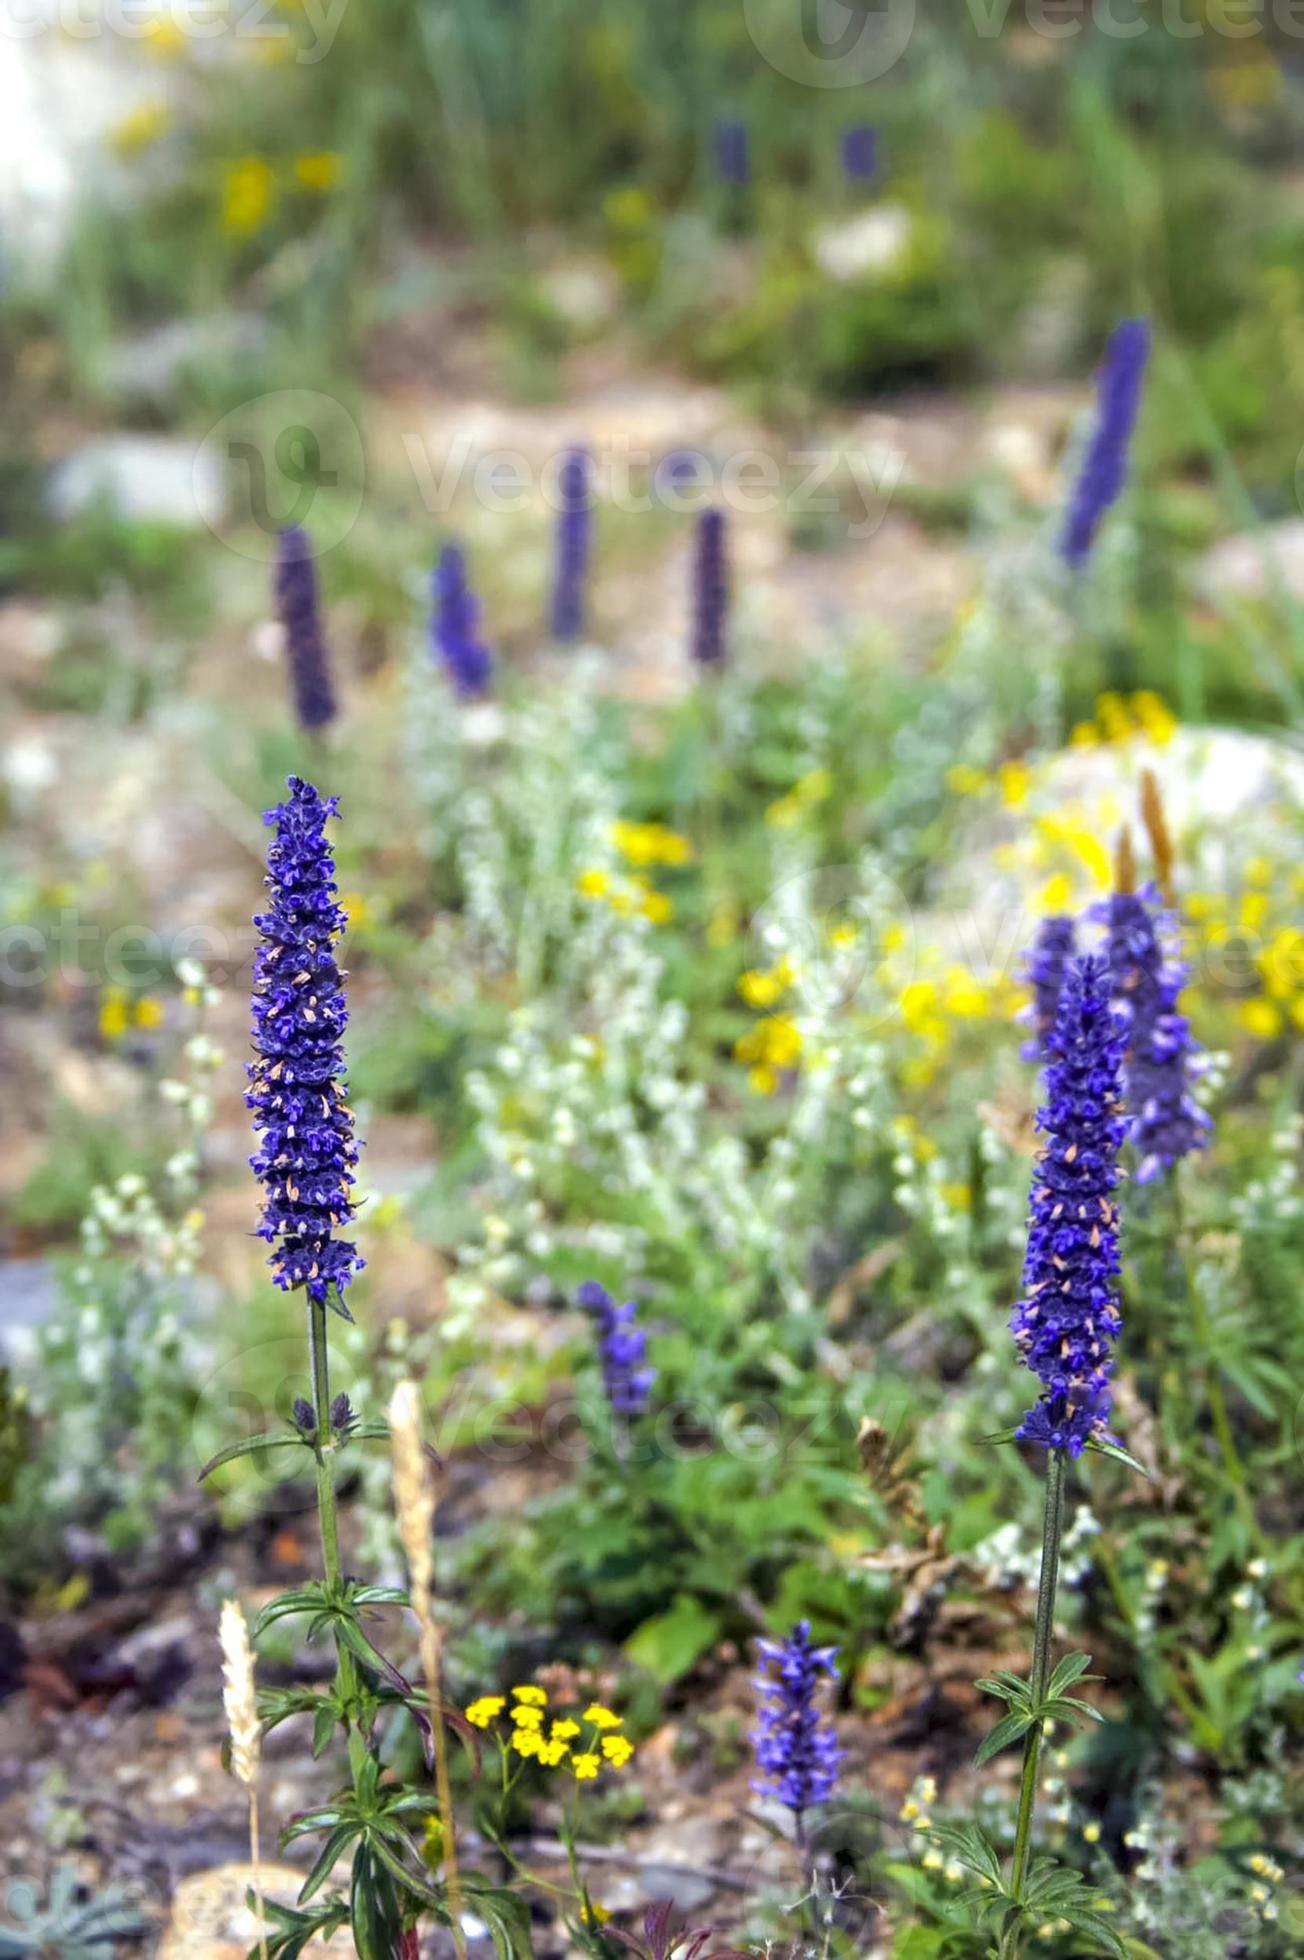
[(551, 1753), (528, 1717), (762, 988), (318, 170), (246, 196), (617, 1749), (565, 1730), (958, 1196), (774, 1044), (1057, 893), (526, 1742), (585, 1767), (600, 1717), (644, 844), (593, 884), (658, 908), (538, 1697), (1015, 779), (1261, 1018), (115, 1017), (962, 780), (483, 1710), (140, 128)]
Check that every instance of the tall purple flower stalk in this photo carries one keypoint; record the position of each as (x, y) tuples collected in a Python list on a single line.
[(454, 627), (1163, 1056), (796, 1746), (731, 148), (1047, 963), (860, 153), (574, 542), (306, 1153), (710, 591), (1068, 1316), (1104, 466), (311, 687), (626, 1375)]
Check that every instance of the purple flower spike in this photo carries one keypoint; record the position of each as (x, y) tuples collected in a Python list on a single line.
[(731, 147), (796, 1746), (710, 591), (860, 153), (305, 648), (1068, 1316), (453, 629), (1163, 1056), (574, 540), (625, 1375), (1104, 466), (1044, 969), (306, 1154)]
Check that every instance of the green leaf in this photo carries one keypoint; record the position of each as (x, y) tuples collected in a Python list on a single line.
[(377, 1920), (1117, 1454), (281, 1439), (1097, 1929), (1007, 1730), (324, 1724), (669, 1643), (1001, 1436), (333, 1849), (1070, 1669)]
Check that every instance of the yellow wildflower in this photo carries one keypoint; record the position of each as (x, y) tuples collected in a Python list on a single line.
[(658, 908), (1156, 718), (166, 37), (958, 1196), (1253, 911), (1261, 1018), (149, 1012), (1057, 893), (526, 1742), (1015, 779), (482, 1711), (551, 1753), (529, 1693), (528, 1718), (600, 1717), (593, 884), (643, 844), (585, 1767), (617, 1749), (964, 997), (1258, 871), (356, 909), (962, 780), (246, 196), (140, 128), (762, 988), (565, 1730), (115, 1016), (318, 170)]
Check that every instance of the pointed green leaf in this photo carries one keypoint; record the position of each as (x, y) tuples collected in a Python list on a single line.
[(280, 1439), (1007, 1730), (1117, 1454)]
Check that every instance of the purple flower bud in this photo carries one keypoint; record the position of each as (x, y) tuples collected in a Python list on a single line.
[(710, 591), (453, 628), (1068, 1316), (1104, 466), (796, 1746), (574, 540), (1044, 969), (860, 153), (623, 1346), (306, 1152), (731, 148), (1163, 1056), (305, 649)]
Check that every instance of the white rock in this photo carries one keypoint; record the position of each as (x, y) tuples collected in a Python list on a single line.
[(145, 479)]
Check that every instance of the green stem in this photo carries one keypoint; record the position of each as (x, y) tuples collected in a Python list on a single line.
[(346, 1679), (1052, 1526)]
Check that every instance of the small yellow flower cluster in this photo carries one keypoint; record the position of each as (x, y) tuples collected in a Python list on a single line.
[(917, 1808), (249, 187), (1269, 1873), (629, 897), (551, 1747), (644, 844), (1121, 718), (789, 810), (936, 1007), (772, 1045), (1014, 780), (1254, 934), (764, 986), (140, 128), (120, 1011)]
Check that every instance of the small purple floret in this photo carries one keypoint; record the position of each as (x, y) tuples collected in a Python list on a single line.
[(454, 627), (710, 591), (623, 1345)]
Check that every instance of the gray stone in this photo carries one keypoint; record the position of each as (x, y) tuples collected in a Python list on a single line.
[(144, 479)]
